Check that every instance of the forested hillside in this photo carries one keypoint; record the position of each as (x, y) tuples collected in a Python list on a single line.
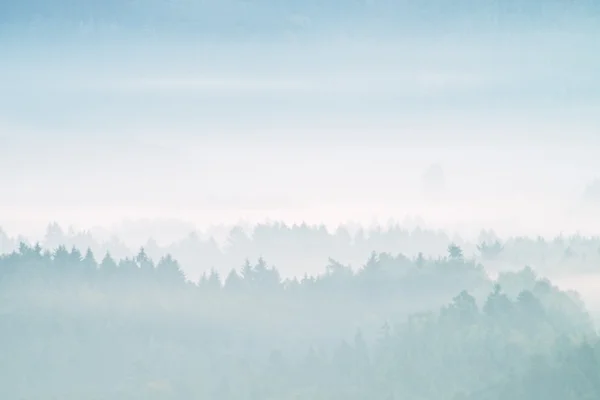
[(397, 328), (299, 200)]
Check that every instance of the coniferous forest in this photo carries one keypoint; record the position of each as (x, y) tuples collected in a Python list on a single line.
[(299, 200), (75, 325)]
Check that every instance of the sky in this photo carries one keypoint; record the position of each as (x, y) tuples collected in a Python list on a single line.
[(213, 111)]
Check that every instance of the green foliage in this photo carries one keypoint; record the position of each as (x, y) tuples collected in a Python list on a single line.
[(397, 328)]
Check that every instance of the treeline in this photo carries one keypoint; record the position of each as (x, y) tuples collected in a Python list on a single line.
[(396, 328), (303, 248)]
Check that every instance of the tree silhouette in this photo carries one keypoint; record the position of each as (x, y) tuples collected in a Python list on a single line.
[(455, 252)]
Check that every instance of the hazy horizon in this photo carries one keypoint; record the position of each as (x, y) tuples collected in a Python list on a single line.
[(98, 127), (300, 199)]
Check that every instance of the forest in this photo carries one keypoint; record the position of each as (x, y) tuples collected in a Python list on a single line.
[(75, 324), (299, 200), (308, 247)]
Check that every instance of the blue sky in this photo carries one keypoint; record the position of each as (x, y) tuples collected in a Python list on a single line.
[(203, 99), (536, 76)]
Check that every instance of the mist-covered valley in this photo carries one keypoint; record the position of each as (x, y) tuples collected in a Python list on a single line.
[(298, 311), (277, 200)]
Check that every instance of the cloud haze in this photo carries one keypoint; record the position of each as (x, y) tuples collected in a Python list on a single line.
[(194, 123)]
